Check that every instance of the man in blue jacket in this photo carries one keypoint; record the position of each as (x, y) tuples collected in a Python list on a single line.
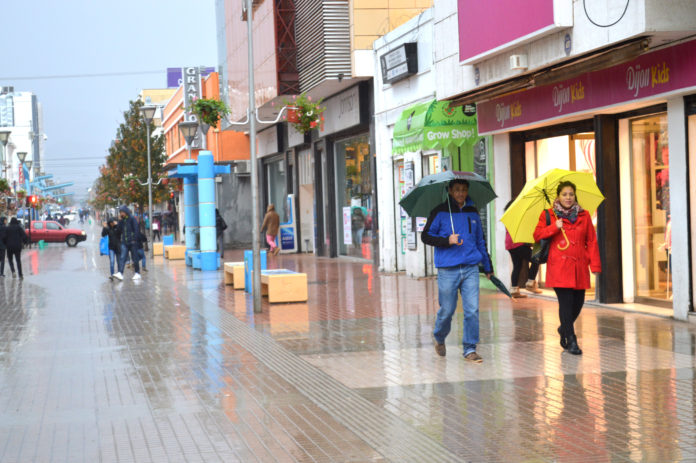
[(454, 229)]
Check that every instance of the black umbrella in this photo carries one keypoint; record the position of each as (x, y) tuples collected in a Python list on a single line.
[(501, 287)]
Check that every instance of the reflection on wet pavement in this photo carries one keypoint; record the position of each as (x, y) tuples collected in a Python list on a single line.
[(179, 368)]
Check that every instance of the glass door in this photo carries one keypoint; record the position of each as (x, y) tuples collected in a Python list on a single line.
[(651, 216)]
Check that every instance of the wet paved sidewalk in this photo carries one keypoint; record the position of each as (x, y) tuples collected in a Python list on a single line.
[(177, 367)]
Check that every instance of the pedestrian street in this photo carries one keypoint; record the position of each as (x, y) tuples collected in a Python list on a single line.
[(177, 367)]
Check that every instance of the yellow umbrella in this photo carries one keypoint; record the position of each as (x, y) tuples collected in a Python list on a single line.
[(522, 216)]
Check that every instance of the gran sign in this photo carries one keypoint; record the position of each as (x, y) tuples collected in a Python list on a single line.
[(192, 90)]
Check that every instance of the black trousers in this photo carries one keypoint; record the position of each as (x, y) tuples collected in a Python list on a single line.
[(522, 255), (570, 302), (156, 235), (17, 253), (2, 261)]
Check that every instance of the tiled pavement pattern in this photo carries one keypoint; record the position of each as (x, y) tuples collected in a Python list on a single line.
[(177, 367)]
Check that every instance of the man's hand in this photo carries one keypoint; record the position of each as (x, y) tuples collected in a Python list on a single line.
[(489, 275), (454, 238)]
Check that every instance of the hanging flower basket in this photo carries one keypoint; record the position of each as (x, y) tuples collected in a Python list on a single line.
[(293, 115), (209, 110), (304, 114)]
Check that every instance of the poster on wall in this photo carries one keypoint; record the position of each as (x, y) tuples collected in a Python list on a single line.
[(403, 245), (347, 231), (404, 226), (420, 223)]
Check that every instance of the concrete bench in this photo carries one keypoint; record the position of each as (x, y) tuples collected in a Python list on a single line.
[(175, 252), (234, 274), (157, 249), (282, 285)]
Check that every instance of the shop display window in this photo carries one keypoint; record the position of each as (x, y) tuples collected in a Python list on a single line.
[(355, 202), (651, 211)]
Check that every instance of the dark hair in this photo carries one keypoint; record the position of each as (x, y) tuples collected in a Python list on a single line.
[(460, 181), (508, 204), (563, 185)]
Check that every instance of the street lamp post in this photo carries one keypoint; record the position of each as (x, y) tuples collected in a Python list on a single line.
[(21, 155), (188, 129), (4, 137), (148, 113)]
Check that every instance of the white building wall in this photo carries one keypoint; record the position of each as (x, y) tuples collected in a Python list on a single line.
[(20, 139), (663, 20), (390, 101)]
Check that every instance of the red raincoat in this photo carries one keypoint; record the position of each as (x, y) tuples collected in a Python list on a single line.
[(569, 268)]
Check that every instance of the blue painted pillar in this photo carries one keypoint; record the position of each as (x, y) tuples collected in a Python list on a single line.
[(191, 213), (206, 210)]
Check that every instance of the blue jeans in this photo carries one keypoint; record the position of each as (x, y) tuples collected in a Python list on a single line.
[(141, 256), (114, 257), (450, 280), (126, 250)]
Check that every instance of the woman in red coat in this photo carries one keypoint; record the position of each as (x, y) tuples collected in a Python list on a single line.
[(567, 267)]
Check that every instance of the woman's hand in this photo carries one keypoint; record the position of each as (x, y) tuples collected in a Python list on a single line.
[(559, 223)]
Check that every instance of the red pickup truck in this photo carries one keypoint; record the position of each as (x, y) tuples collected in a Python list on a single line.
[(53, 232)]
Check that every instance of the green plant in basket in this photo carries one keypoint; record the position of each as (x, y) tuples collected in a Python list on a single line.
[(209, 110), (303, 113)]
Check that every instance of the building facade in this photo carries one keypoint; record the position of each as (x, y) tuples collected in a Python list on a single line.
[(601, 87), (20, 113)]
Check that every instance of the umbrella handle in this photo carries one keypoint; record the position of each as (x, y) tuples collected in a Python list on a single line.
[(566, 239)]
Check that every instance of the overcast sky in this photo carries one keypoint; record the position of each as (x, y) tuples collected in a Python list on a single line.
[(43, 38)]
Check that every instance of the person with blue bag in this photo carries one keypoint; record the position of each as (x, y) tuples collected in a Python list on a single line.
[(112, 233)]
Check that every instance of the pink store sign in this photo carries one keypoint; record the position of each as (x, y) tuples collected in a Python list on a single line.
[(652, 74), (486, 26)]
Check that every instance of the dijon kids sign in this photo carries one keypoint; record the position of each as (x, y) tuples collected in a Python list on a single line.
[(650, 75)]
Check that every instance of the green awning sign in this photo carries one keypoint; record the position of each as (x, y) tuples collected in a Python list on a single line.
[(434, 125)]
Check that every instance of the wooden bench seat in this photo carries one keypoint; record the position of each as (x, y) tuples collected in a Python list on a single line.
[(157, 249), (282, 285), (234, 274), (175, 252)]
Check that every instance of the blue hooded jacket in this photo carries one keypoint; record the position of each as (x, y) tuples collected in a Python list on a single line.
[(467, 224), (129, 227)]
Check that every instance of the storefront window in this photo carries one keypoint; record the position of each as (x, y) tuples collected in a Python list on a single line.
[(275, 173), (651, 213), (354, 214)]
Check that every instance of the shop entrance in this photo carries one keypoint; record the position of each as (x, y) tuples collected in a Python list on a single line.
[(572, 152), (652, 241)]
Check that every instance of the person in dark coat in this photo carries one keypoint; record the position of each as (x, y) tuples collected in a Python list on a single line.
[(112, 230), (220, 227), (142, 246), (15, 238), (129, 240), (3, 228)]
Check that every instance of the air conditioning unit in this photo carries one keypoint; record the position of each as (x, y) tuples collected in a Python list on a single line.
[(242, 167)]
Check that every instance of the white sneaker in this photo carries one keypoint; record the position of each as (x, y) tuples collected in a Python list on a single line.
[(118, 275), (136, 276)]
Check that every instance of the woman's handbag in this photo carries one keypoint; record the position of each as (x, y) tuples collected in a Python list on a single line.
[(104, 246), (540, 251)]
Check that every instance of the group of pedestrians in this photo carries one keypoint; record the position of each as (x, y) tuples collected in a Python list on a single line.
[(12, 239), (126, 242), (454, 230)]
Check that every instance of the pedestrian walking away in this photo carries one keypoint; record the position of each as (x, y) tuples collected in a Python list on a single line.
[(454, 230), (220, 227), (3, 230), (113, 231), (572, 249), (142, 248), (156, 234), (521, 255), (271, 223), (15, 238), (129, 240)]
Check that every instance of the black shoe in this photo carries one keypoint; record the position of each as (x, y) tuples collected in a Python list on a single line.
[(564, 341), (573, 347)]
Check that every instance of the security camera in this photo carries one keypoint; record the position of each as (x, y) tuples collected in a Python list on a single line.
[(45, 137)]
